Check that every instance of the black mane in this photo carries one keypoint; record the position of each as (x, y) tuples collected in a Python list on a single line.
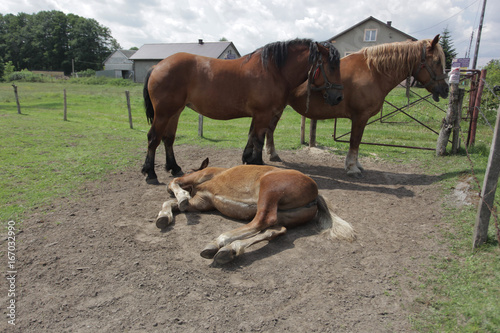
[(277, 52)]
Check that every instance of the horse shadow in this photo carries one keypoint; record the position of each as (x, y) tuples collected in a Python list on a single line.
[(384, 182)]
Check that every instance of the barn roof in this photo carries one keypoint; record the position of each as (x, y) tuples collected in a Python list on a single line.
[(161, 51)]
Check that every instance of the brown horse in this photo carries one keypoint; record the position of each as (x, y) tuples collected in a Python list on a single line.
[(272, 198), (368, 76), (256, 86)]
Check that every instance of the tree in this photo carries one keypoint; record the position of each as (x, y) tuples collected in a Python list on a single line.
[(491, 92), (50, 40), (447, 45)]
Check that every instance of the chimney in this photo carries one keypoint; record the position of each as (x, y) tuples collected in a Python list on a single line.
[(200, 41), (389, 23)]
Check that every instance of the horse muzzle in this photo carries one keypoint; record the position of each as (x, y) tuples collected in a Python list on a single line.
[(440, 90), (333, 97)]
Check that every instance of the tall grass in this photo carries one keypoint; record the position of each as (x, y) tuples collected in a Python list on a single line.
[(43, 158)]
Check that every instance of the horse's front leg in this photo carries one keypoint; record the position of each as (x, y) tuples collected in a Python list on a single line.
[(166, 216), (248, 151), (352, 165), (180, 194)]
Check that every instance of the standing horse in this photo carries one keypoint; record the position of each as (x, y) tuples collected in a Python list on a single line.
[(272, 198), (368, 76), (256, 86)]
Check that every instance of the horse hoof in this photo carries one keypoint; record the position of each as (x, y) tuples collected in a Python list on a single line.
[(209, 251), (183, 204), (178, 173), (224, 256), (275, 158), (152, 181), (355, 174), (162, 222)]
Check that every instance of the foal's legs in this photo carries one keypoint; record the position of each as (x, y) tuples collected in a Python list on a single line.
[(292, 199), (236, 248)]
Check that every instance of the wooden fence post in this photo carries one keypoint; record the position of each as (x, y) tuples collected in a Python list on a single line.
[(17, 99), (450, 119), (475, 111), (302, 130), (455, 142), (127, 95), (489, 189), (312, 133), (200, 125), (65, 107)]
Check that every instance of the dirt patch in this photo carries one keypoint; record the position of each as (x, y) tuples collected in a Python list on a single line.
[(96, 262)]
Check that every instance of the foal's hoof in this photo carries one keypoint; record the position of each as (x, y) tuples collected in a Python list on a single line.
[(224, 256), (183, 204), (162, 222), (209, 251), (152, 181)]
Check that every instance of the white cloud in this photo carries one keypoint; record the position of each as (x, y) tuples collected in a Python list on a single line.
[(252, 24)]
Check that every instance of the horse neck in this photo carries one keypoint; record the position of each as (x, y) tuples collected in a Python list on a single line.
[(394, 76), (296, 67)]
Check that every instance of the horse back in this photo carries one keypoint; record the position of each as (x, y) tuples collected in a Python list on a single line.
[(216, 88)]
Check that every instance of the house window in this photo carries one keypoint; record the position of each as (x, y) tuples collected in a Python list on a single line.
[(370, 35)]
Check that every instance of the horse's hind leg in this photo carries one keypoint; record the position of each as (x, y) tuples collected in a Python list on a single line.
[(234, 249), (270, 149), (148, 168), (168, 140)]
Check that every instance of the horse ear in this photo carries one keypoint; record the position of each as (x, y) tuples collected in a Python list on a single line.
[(435, 41), (204, 164)]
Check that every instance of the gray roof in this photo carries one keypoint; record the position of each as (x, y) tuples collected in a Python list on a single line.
[(128, 53), (161, 51), (373, 19)]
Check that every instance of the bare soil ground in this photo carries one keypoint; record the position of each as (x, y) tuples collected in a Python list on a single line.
[(96, 262)]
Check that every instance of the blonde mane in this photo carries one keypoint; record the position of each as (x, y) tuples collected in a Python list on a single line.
[(399, 56)]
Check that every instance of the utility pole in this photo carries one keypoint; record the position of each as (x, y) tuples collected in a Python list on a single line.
[(478, 40)]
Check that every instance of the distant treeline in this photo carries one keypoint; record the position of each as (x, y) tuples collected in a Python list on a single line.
[(54, 41)]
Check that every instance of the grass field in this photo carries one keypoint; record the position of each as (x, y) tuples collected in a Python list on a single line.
[(43, 157)]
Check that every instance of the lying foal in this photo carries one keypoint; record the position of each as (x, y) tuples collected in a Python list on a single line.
[(272, 198)]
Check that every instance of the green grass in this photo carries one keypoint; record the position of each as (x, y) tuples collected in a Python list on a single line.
[(43, 158)]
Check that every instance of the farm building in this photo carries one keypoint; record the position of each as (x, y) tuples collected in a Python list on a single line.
[(150, 54), (368, 32), (118, 65)]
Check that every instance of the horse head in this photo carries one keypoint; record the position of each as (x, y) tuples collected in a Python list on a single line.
[(325, 72), (430, 72)]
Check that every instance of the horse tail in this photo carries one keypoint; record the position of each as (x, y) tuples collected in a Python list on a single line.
[(150, 111), (331, 223)]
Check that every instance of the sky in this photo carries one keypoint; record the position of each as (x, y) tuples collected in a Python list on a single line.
[(251, 24)]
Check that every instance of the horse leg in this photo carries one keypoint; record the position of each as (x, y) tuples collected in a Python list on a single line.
[(166, 216), (237, 248), (148, 168), (275, 189), (248, 151), (270, 149), (352, 165), (168, 140)]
